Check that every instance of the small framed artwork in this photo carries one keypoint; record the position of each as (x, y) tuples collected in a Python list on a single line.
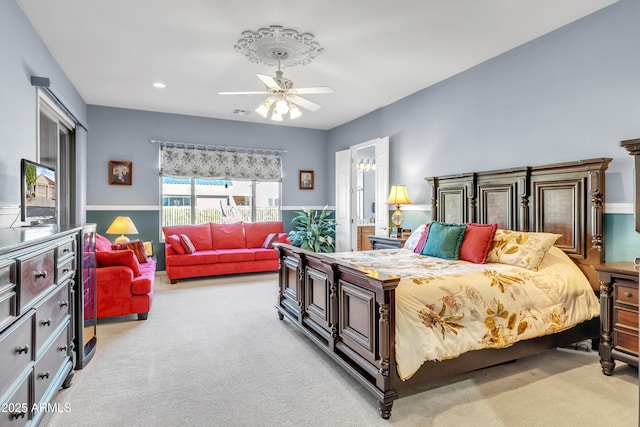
[(306, 180), (120, 172)]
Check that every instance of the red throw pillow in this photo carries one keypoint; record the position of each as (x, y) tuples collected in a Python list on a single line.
[(176, 243), (422, 241), (186, 244), (124, 258), (268, 241), (477, 242), (137, 246), (102, 243)]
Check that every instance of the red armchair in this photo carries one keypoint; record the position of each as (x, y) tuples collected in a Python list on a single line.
[(123, 284)]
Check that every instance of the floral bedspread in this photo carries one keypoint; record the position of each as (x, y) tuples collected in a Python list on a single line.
[(445, 308)]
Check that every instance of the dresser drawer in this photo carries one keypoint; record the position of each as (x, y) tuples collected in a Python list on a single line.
[(66, 269), (36, 276), (626, 341), (50, 363), (626, 292), (16, 409), (50, 314), (16, 349), (65, 249), (626, 318)]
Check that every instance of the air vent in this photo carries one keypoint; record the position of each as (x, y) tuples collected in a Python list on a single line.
[(241, 112)]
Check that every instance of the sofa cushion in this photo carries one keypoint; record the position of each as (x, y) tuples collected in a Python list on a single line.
[(235, 255), (199, 234), (198, 258), (261, 254), (175, 243), (124, 258), (228, 236), (102, 243), (256, 232), (143, 284)]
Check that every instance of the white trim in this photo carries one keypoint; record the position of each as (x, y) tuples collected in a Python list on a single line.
[(413, 208), (121, 208), (618, 208)]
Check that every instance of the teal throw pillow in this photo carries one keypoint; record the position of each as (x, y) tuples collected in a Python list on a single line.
[(444, 240)]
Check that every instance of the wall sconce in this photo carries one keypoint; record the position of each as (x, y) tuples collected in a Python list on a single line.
[(122, 225)]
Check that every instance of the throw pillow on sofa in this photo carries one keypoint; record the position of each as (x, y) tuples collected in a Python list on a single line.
[(137, 246), (186, 244), (124, 258), (176, 243), (268, 241), (102, 243)]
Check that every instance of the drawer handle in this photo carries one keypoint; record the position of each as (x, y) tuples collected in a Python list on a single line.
[(65, 250), (63, 304), (45, 322), (43, 375), (62, 348), (66, 270), (22, 349), (40, 274), (17, 415), (627, 294)]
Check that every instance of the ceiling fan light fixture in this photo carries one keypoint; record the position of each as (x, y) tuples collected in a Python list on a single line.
[(282, 107), (263, 109), (276, 117), (294, 112)]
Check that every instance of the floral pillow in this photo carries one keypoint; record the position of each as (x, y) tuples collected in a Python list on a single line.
[(520, 248)]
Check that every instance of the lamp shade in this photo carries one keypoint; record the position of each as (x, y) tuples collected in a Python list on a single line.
[(398, 195), (122, 225)]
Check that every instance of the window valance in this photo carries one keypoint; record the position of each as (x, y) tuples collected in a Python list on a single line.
[(220, 164)]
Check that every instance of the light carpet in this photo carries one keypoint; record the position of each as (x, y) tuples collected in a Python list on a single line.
[(214, 353)]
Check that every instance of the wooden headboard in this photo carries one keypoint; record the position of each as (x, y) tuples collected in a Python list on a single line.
[(564, 198)]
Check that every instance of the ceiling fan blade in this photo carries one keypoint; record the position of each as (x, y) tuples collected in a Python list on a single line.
[(269, 81), (304, 103), (259, 92), (310, 90)]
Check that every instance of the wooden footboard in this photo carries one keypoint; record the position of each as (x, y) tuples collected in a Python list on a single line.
[(348, 311)]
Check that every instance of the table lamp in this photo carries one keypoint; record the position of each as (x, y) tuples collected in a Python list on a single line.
[(122, 225), (398, 196)]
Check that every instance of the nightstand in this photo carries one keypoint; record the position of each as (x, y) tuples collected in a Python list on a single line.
[(618, 314), (379, 242)]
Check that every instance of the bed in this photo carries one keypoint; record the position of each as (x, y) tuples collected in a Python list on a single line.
[(352, 305)]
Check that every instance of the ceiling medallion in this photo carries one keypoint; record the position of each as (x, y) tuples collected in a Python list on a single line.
[(278, 46)]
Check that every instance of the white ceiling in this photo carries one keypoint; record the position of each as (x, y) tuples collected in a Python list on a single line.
[(375, 52)]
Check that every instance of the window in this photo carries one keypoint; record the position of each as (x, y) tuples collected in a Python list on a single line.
[(198, 201)]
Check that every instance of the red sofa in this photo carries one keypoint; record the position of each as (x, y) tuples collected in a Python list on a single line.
[(124, 285), (242, 247)]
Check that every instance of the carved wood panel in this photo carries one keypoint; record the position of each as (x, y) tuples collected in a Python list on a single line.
[(357, 319), (559, 209), (317, 294)]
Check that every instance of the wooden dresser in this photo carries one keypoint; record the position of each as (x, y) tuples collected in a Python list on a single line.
[(618, 314), (37, 271)]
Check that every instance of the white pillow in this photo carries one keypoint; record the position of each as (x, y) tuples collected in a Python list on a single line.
[(414, 238)]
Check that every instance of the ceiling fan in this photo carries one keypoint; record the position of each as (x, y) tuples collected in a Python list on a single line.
[(283, 97)]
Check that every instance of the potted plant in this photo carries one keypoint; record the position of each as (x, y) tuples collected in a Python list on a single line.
[(313, 230)]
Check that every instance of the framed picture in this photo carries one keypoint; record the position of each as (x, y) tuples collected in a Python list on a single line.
[(120, 173), (306, 180)]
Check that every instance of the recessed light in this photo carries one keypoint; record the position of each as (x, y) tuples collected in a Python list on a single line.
[(159, 85)]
